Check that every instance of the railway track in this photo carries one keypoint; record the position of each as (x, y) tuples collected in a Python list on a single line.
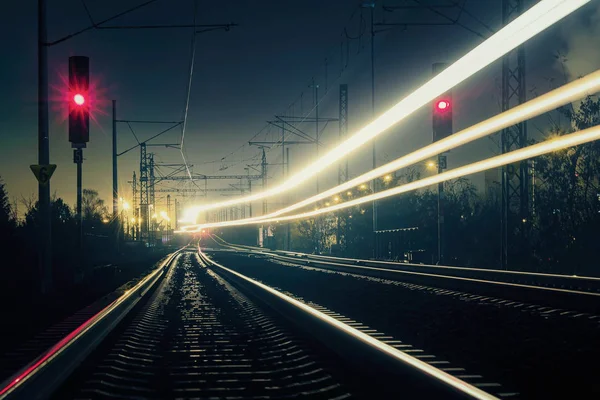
[(534, 350), (197, 336), (572, 295), (195, 329)]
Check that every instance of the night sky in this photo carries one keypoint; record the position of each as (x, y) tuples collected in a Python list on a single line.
[(245, 76)]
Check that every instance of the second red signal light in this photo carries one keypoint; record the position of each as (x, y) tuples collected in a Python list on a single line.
[(443, 105)]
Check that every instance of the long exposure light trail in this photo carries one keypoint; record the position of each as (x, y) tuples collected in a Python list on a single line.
[(531, 22), (566, 94), (548, 146)]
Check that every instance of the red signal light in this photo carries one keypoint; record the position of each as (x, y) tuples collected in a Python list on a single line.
[(442, 105), (79, 99)]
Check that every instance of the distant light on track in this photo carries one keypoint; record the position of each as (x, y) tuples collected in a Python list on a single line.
[(531, 22)]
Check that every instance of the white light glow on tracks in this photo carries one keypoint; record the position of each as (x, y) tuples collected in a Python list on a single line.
[(536, 19), (548, 146), (566, 94)]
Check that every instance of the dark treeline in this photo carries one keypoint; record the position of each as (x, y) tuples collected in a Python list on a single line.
[(21, 242), (79, 277), (73, 263)]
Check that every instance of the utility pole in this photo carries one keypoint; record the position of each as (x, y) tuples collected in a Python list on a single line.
[(176, 214), (144, 201), (115, 176), (440, 214), (442, 127), (374, 184), (317, 126), (152, 198), (136, 210), (343, 167), (169, 218), (264, 183), (78, 160), (318, 219), (288, 233), (515, 179), (249, 191), (45, 250)]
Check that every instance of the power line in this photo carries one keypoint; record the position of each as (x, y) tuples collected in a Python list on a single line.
[(299, 98), (189, 89)]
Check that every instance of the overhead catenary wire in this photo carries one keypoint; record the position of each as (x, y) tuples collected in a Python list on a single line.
[(296, 101), (187, 98)]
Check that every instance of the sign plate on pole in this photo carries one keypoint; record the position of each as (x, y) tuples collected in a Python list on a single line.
[(43, 173)]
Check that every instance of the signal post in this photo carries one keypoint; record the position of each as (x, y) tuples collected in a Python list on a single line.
[(79, 123), (442, 127)]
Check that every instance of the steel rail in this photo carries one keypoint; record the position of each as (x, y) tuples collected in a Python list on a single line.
[(554, 283)]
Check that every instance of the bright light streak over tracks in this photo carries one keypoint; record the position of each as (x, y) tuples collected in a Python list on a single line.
[(548, 146), (531, 22), (566, 94)]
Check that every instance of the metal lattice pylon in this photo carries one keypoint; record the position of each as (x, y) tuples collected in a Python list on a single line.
[(515, 184), (136, 210), (144, 200), (343, 167)]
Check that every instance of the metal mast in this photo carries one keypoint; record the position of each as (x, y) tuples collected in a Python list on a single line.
[(136, 210), (168, 219), (343, 167), (515, 183), (263, 166), (144, 201)]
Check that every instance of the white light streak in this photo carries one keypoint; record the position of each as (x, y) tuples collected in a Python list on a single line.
[(566, 94), (548, 146), (531, 22)]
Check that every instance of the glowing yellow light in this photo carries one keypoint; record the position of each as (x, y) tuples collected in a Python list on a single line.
[(349, 193), (164, 215), (126, 206), (336, 199), (105, 220), (431, 165), (327, 204), (387, 178), (545, 147), (542, 15), (133, 220), (363, 187)]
